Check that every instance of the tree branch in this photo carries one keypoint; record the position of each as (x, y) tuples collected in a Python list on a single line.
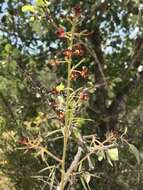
[(122, 96), (94, 55), (72, 166)]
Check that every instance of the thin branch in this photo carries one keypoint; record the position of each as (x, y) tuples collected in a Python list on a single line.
[(94, 150), (72, 166), (74, 163), (134, 61)]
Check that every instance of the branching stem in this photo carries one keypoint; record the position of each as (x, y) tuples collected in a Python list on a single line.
[(67, 112)]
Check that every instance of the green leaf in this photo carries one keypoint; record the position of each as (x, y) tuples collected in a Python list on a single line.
[(8, 48), (87, 177), (32, 19), (117, 80), (76, 133), (109, 160), (28, 7), (113, 154), (135, 151), (16, 53), (36, 26), (60, 87), (100, 154), (80, 121), (40, 2)]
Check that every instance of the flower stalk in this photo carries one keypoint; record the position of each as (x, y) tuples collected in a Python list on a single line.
[(67, 112)]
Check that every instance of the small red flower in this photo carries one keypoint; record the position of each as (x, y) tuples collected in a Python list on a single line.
[(23, 141), (115, 134), (78, 50), (74, 75), (54, 63), (77, 10), (84, 72), (53, 104), (61, 115), (54, 91), (61, 32), (84, 95), (68, 53)]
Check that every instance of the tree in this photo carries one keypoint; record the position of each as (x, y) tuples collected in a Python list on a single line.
[(71, 71)]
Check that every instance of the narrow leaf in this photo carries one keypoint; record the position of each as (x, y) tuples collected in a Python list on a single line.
[(135, 151), (87, 177), (109, 160)]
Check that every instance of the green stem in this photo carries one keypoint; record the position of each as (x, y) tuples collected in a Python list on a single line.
[(67, 115)]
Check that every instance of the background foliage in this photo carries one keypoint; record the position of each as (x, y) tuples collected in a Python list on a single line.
[(33, 81)]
